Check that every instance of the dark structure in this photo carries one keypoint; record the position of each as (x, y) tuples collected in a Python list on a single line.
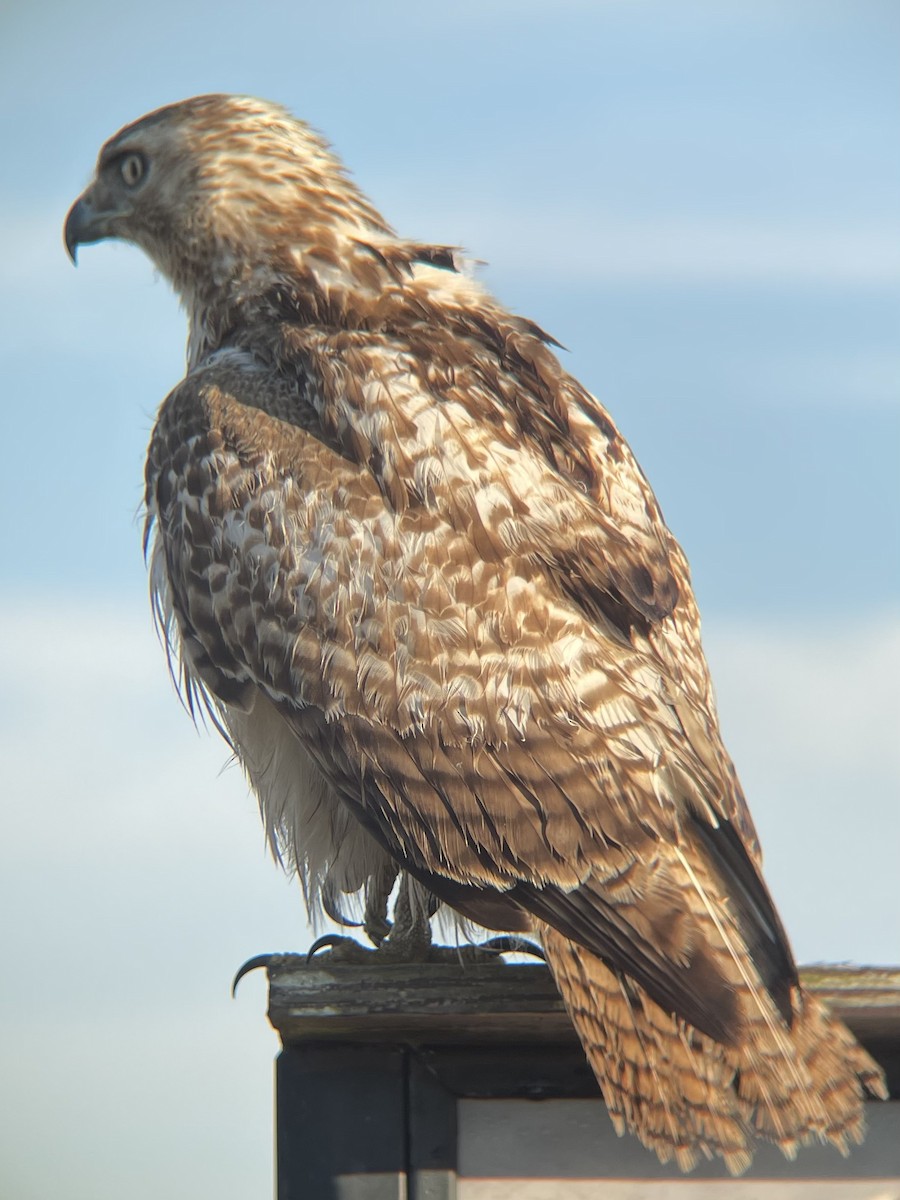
[(401, 1082)]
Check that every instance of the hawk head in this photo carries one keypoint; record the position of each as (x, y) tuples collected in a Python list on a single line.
[(213, 188)]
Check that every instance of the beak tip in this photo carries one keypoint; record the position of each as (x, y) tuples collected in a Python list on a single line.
[(76, 228)]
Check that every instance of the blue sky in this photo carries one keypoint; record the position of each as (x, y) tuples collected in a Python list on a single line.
[(702, 202)]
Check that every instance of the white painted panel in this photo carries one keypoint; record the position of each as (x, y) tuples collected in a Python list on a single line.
[(685, 1189)]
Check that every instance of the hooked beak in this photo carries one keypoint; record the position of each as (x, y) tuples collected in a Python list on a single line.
[(85, 224)]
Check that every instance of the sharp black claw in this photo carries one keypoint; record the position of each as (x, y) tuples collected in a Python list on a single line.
[(322, 943), (332, 909), (252, 964), (510, 944)]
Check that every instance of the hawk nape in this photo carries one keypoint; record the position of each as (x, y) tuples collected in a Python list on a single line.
[(415, 572)]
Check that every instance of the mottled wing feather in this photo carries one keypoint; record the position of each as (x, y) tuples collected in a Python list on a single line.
[(487, 384), (489, 731)]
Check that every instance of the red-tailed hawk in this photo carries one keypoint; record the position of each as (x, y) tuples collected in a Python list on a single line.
[(417, 575)]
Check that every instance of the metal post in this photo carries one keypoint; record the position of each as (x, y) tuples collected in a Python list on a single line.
[(341, 1123)]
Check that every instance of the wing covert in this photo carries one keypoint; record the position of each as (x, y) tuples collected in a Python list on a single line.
[(484, 731)]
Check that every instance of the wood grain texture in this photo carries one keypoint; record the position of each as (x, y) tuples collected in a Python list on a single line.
[(502, 1002)]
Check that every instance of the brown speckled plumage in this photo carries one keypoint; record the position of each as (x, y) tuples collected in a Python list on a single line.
[(418, 576)]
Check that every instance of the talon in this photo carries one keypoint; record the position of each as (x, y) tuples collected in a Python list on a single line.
[(510, 944), (377, 931), (330, 904), (324, 942), (252, 964)]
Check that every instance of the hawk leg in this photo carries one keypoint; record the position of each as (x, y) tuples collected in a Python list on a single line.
[(407, 939), (378, 895)]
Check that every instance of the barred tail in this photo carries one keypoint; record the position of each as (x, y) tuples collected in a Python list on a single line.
[(688, 1097)]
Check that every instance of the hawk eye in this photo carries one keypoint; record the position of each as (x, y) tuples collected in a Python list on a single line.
[(132, 168)]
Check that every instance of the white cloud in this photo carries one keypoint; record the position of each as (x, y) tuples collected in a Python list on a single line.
[(133, 882), (609, 247), (810, 716)]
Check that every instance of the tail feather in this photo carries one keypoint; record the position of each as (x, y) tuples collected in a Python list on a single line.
[(665, 1083), (686, 1096)]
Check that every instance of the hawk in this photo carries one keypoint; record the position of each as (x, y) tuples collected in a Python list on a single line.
[(417, 576)]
